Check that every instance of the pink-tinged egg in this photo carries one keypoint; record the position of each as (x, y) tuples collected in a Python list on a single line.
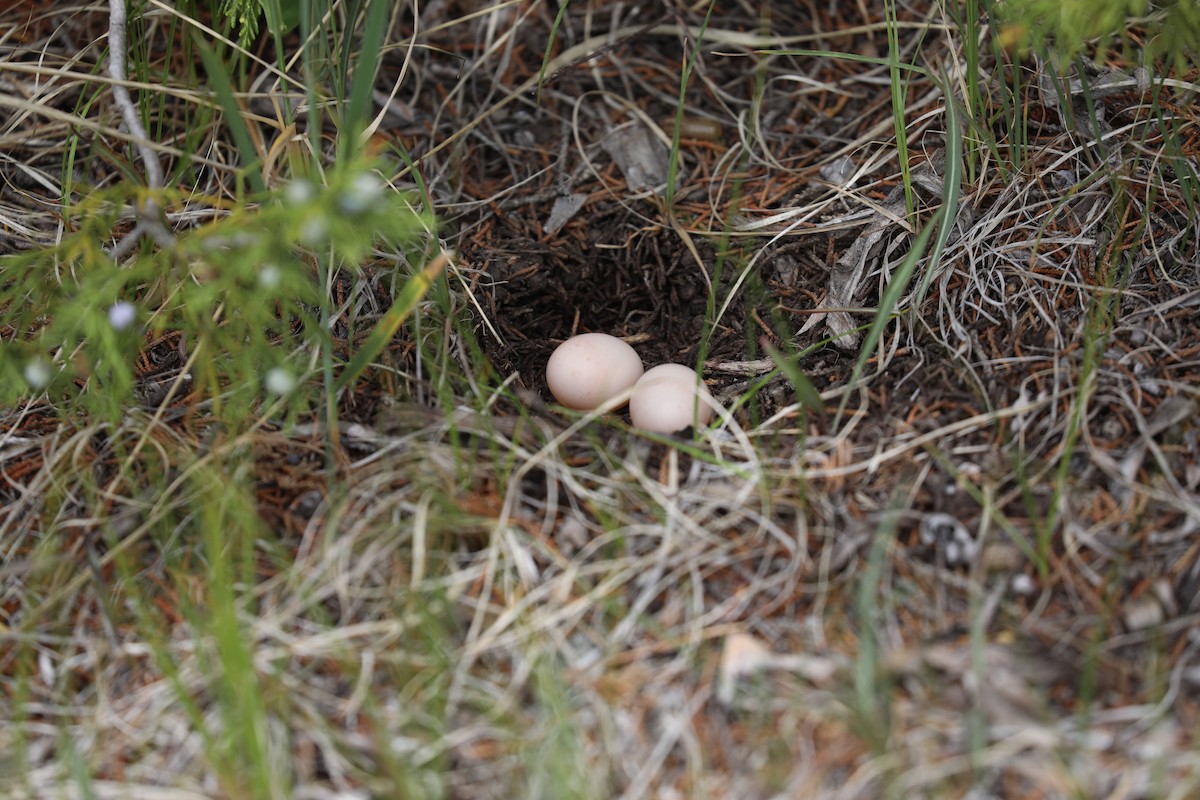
[(669, 398), (588, 370)]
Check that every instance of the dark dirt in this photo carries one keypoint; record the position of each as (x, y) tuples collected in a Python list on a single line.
[(618, 266)]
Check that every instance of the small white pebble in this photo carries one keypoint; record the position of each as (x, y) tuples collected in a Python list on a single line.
[(839, 171), (954, 554), (1021, 584), (1142, 612), (121, 315), (279, 381), (46, 668), (38, 374)]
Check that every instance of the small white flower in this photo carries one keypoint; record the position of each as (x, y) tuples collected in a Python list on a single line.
[(270, 276), (314, 230), (362, 193), (299, 192), (280, 381), (38, 374), (121, 315)]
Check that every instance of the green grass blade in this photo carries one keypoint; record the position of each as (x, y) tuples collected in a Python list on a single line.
[(951, 188), (558, 18), (223, 87), (887, 304), (405, 304), (363, 82), (870, 696), (899, 106), (806, 393), (685, 77)]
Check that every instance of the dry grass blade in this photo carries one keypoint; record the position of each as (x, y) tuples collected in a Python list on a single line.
[(423, 580)]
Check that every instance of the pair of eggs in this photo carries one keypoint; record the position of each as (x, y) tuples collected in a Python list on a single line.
[(589, 370)]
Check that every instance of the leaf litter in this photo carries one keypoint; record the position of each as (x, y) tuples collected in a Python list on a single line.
[(687, 618)]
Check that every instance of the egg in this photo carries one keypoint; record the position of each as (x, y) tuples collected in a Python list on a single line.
[(588, 370), (669, 398)]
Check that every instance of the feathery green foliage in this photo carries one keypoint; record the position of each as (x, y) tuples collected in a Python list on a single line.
[(1162, 30), (244, 16), (240, 287)]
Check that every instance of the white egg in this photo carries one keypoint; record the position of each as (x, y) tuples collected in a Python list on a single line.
[(669, 398), (588, 370)]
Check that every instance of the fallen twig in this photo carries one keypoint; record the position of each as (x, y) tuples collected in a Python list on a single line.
[(150, 221)]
